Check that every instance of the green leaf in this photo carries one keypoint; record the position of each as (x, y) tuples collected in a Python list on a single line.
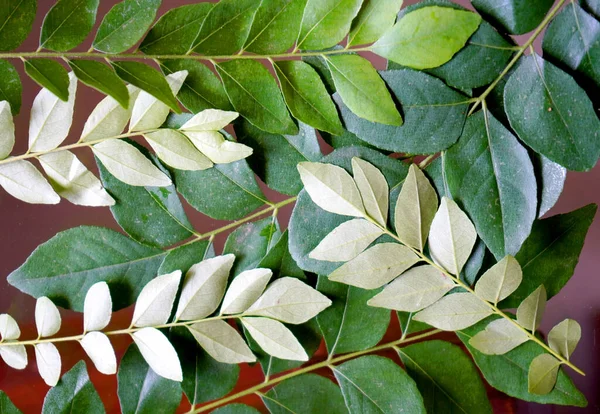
[(500, 281), (75, 390), (427, 37), (549, 255), (101, 77), (50, 75), (373, 20), (552, 114), (326, 22), (255, 95), (454, 312), (551, 181), (408, 325), (279, 260), (564, 337), (10, 86), (350, 325), (147, 79), (447, 379), (373, 384), (275, 27), (67, 24), (125, 24), (592, 6), (236, 409), (307, 97), (531, 310), (141, 390), (434, 115), (542, 374), (508, 372), (107, 256), (307, 393), (362, 90), (6, 405), (226, 27), (275, 157), (16, 19), (498, 337), (514, 16), (185, 256)]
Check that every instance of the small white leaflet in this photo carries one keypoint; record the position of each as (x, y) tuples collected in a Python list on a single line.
[(154, 304), (217, 148), (222, 342), (275, 339), (454, 312), (176, 150), (48, 362), (158, 353), (244, 290), (346, 241), (373, 189), (47, 317), (23, 181), (7, 130), (9, 329), (99, 349), (97, 307), (209, 120), (15, 356)]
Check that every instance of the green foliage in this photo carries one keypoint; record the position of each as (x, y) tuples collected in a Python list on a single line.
[(50, 75), (16, 19), (68, 23), (515, 17), (101, 77), (6, 404), (309, 393)]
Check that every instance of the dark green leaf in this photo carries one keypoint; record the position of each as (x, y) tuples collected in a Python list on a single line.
[(514, 16), (185, 256), (347, 139), (226, 27), (236, 409), (474, 264), (551, 180), (125, 24), (141, 390), (16, 19), (255, 95), (307, 393), (101, 77), (490, 174), (552, 114), (508, 372), (176, 30), (73, 393), (592, 6), (409, 325), (349, 324), (447, 379), (374, 19), (362, 90), (373, 384), (147, 79), (325, 23), (276, 26), (6, 405), (68, 23), (10, 86), (202, 89), (434, 115), (67, 265), (307, 97), (320, 65), (279, 260), (50, 75), (551, 252), (275, 157)]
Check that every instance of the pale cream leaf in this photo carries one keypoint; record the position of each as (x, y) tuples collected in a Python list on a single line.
[(498, 337), (209, 120), (346, 241), (373, 189), (158, 353), (244, 290), (7, 130), (97, 307), (98, 347), (9, 328), (500, 280), (155, 302), (176, 150), (23, 181), (47, 317), (275, 339), (217, 148), (48, 362), (222, 342), (454, 312), (15, 356)]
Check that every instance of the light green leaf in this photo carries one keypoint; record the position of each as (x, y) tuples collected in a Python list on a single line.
[(244, 290), (373, 20), (7, 130), (543, 372), (531, 310), (499, 337), (362, 90), (49, 74), (452, 237), (10, 86), (376, 266), (275, 339), (48, 362), (564, 337), (23, 181), (500, 281), (346, 241), (98, 347), (222, 342), (97, 307), (326, 22), (454, 312), (5, 403), (217, 148), (154, 304), (9, 329), (67, 24), (373, 189), (209, 120), (416, 289), (176, 150), (15, 356), (16, 19), (514, 16), (415, 209), (427, 37), (101, 77), (158, 353)]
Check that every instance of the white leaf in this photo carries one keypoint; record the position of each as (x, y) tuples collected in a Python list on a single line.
[(51, 118), (158, 353), (416, 289), (48, 362), (217, 148), (108, 118), (531, 310), (99, 349), (376, 266), (244, 290), (73, 181), (454, 312), (331, 188), (176, 150), (222, 342), (129, 165), (209, 120), (97, 307), (7, 130), (452, 237), (275, 339), (373, 189), (47, 317), (149, 112), (15, 356), (346, 241), (154, 304), (9, 329), (289, 300), (564, 337), (23, 181), (498, 337), (500, 280), (203, 287)]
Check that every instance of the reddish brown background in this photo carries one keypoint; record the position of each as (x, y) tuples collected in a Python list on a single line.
[(25, 226)]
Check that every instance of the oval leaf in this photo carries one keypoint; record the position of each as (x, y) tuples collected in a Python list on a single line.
[(15, 356), (542, 375), (16, 19), (176, 150), (209, 120), (454, 312), (9, 329), (49, 74), (47, 317), (101, 77), (217, 148), (98, 347), (373, 189), (500, 280), (7, 131), (346, 241), (48, 362), (67, 24), (23, 181), (374, 19), (326, 23), (222, 342), (244, 290), (275, 339), (498, 337), (97, 307), (531, 310), (564, 337), (158, 353), (155, 302)]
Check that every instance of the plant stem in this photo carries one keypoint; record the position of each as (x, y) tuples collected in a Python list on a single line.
[(310, 368)]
